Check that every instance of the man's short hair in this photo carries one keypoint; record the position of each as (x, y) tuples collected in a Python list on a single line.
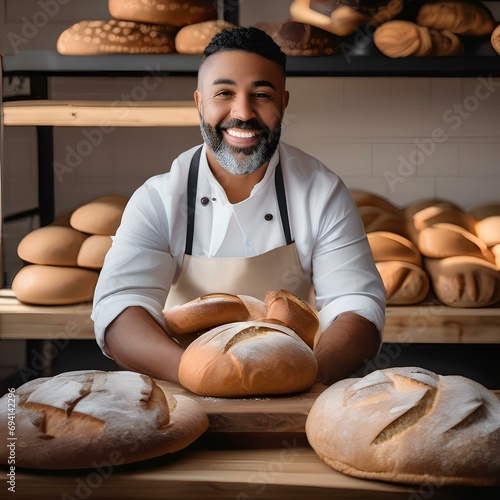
[(250, 39)]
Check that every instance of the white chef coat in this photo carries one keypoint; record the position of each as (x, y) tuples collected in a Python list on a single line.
[(148, 248)]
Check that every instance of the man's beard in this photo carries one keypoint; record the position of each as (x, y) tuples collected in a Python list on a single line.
[(241, 161)]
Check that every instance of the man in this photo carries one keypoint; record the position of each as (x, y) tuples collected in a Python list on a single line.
[(242, 214)]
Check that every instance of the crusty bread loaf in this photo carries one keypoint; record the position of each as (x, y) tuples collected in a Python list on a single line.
[(380, 219), (299, 39), (116, 37), (464, 281), (54, 285), (284, 306), (89, 419), (409, 425), (248, 359), (495, 39), (100, 216), (400, 38), (367, 199), (464, 17), (388, 246), (51, 245), (193, 38), (171, 12), (488, 230), (93, 251), (405, 283)]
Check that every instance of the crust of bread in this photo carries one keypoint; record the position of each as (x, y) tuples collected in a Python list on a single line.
[(93, 251), (387, 246), (379, 219), (366, 199), (92, 418), (193, 38), (488, 230), (495, 39), (248, 359), (409, 425)]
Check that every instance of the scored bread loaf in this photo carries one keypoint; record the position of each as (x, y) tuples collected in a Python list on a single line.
[(387, 246), (245, 359), (380, 219), (193, 38), (90, 418), (409, 425)]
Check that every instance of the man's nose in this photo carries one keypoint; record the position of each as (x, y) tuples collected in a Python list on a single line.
[(243, 108)]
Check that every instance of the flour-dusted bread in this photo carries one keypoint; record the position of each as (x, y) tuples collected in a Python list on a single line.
[(247, 359), (52, 245), (116, 37), (405, 283), (464, 281), (54, 285), (193, 38), (495, 39), (87, 419), (99, 216), (463, 17), (170, 12), (388, 246), (409, 425), (93, 251)]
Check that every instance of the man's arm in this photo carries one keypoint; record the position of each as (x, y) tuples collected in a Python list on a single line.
[(344, 346), (138, 343)]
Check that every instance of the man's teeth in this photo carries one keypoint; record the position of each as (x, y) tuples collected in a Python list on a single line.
[(240, 133)]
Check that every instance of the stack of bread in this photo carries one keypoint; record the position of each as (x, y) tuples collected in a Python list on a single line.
[(244, 346), (145, 27), (64, 258)]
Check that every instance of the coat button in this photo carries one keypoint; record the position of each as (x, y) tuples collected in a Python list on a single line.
[(268, 217), (204, 201)]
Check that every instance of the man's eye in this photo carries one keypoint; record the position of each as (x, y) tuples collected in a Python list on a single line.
[(262, 95), (223, 93)]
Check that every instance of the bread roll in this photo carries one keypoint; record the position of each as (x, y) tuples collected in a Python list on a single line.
[(54, 285), (299, 39), (464, 17), (52, 246), (93, 251), (172, 12), (404, 38), (248, 359), (116, 37), (284, 306), (89, 419), (409, 425), (447, 240), (100, 216), (405, 283), (464, 281), (193, 39), (495, 39), (387, 246)]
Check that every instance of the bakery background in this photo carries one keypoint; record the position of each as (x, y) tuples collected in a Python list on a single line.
[(367, 129)]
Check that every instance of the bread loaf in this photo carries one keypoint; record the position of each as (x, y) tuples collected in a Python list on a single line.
[(193, 38), (100, 216), (51, 245), (89, 419), (116, 37), (403, 39), (409, 425), (464, 17), (172, 12), (248, 359), (387, 246), (54, 285), (496, 252), (405, 283), (366, 199), (464, 281), (495, 39), (380, 219), (93, 251), (488, 230)]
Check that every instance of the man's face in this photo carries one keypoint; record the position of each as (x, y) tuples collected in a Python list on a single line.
[(241, 99)]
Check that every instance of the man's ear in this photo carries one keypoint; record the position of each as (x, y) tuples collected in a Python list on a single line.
[(197, 100), (286, 98)]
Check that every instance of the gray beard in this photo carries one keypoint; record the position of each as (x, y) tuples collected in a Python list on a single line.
[(240, 161)]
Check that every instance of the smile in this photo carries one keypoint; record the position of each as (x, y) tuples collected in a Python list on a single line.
[(241, 133)]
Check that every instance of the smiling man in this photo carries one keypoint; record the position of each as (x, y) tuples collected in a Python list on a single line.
[(244, 213)]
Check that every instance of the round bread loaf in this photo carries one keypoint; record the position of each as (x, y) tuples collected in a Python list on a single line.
[(100, 216), (464, 281), (89, 419), (447, 240), (408, 425), (464, 17), (298, 39), (495, 39), (248, 358), (116, 37), (387, 246), (380, 219), (289, 309), (54, 285), (403, 39), (193, 39), (405, 283), (51, 246), (93, 251)]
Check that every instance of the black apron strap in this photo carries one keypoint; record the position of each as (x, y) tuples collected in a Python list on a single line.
[(280, 193), (191, 199)]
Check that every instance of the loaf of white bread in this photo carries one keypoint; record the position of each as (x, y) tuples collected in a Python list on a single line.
[(89, 418), (409, 425)]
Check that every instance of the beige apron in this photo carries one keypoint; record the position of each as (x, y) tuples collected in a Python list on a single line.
[(254, 276)]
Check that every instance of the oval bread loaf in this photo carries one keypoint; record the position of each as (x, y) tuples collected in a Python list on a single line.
[(388, 246), (193, 38), (380, 219), (93, 251), (366, 199)]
